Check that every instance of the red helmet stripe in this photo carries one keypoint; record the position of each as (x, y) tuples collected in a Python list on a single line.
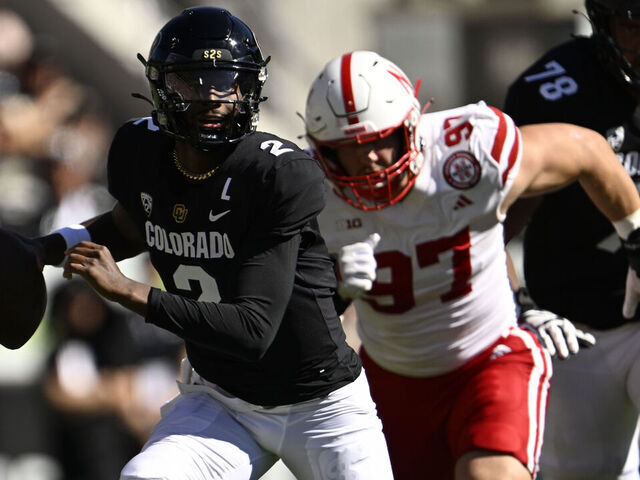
[(347, 89)]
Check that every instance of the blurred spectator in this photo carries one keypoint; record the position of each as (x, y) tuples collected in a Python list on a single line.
[(41, 96), (36, 98), (27, 435), (104, 382), (16, 48), (95, 386), (76, 153)]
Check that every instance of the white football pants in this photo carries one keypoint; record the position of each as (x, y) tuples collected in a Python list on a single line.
[(591, 430), (207, 434)]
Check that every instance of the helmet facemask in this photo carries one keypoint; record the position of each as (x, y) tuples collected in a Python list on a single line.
[(205, 106), (357, 99), (206, 74), (612, 20), (378, 189)]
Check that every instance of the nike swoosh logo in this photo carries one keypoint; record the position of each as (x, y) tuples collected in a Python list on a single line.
[(213, 218)]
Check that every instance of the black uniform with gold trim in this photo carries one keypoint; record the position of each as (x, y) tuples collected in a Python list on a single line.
[(572, 258), (249, 277)]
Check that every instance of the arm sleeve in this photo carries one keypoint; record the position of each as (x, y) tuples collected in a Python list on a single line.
[(104, 231), (245, 327)]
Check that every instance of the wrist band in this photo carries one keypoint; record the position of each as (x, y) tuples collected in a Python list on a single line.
[(74, 234), (628, 224)]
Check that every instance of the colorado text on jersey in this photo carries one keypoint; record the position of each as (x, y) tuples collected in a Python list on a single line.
[(188, 244)]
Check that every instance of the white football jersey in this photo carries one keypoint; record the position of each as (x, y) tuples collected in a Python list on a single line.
[(442, 294)]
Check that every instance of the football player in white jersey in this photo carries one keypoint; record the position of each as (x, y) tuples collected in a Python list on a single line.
[(415, 223)]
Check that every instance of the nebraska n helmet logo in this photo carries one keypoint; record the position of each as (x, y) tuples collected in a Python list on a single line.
[(147, 203)]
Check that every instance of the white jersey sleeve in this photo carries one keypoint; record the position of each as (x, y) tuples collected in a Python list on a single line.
[(442, 294), (475, 148)]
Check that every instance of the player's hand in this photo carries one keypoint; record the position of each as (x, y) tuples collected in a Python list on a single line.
[(95, 264), (559, 336), (631, 294), (357, 267)]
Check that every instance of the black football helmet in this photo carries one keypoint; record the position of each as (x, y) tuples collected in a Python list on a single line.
[(602, 13), (201, 59)]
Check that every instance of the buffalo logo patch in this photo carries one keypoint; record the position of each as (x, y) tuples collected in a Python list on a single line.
[(179, 213), (462, 170)]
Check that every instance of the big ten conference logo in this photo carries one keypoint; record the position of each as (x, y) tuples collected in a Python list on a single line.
[(180, 213), (348, 223)]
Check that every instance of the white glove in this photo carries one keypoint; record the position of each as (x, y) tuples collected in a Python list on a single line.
[(631, 294), (357, 267), (559, 336)]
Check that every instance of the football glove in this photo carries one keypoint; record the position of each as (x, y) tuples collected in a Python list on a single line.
[(631, 247), (559, 336), (357, 266)]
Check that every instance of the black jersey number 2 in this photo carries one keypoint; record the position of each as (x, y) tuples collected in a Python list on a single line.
[(558, 86)]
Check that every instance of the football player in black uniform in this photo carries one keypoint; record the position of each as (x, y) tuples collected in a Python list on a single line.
[(573, 262), (228, 215)]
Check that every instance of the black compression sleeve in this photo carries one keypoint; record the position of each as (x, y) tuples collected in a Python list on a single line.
[(104, 231), (246, 326), (50, 248)]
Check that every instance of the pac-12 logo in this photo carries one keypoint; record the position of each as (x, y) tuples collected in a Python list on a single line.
[(461, 170), (147, 203)]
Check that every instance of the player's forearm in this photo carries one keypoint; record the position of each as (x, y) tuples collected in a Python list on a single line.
[(243, 329), (244, 324), (607, 183), (134, 296), (109, 229)]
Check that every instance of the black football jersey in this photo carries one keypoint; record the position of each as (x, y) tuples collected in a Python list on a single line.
[(249, 283), (573, 262)]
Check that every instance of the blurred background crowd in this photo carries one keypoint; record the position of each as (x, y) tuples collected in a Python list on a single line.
[(77, 401)]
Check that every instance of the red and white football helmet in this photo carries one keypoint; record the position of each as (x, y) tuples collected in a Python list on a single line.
[(361, 97)]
